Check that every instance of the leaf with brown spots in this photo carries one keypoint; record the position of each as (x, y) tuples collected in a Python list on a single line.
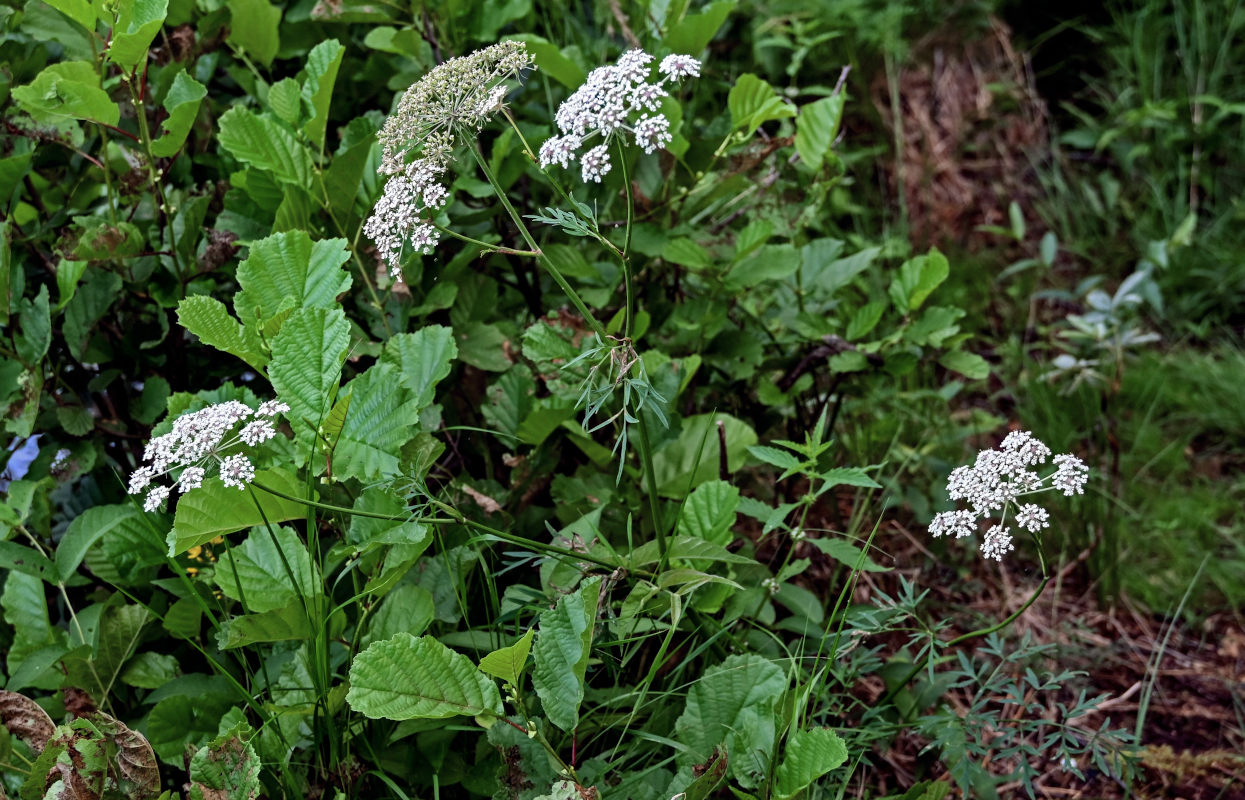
[(227, 769), (25, 720), (136, 761)]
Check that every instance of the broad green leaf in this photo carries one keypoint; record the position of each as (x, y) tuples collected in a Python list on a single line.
[(27, 560), (182, 103), (344, 176), (970, 365), (406, 609), (137, 25), (264, 143), (753, 102), (215, 509), (307, 358), (510, 399), (824, 270), (816, 127), (150, 670), (551, 61), (26, 609), (425, 358), (709, 512), (508, 662), (137, 772), (686, 253), (847, 476), (68, 89), (737, 695), (865, 319), (382, 418), (270, 570), (117, 637), (254, 28), (87, 528), (934, 326), (287, 623), (365, 533), (686, 548), (89, 305), (36, 322), (692, 34), (917, 278), (482, 346), (561, 653), (80, 11), (783, 459), (207, 318), (808, 755), (847, 554), (692, 458), (322, 64), (418, 678), (289, 270), (227, 769), (285, 100)]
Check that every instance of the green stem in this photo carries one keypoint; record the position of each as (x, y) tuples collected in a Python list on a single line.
[(654, 502), (488, 247), (628, 317), (140, 112)]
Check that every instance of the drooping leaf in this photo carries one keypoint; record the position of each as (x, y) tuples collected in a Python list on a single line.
[(507, 663), (563, 644), (322, 64), (709, 512), (254, 28), (25, 719), (809, 755), (135, 760), (408, 677), (182, 103), (215, 509), (27, 560), (68, 89), (207, 318), (262, 142), (138, 22), (96, 671)]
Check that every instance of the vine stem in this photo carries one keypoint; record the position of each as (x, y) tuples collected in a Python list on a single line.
[(980, 631)]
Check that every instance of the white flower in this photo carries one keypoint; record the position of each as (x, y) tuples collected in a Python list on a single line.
[(59, 459), (998, 540), (237, 471), (261, 430), (1071, 475), (596, 164), (139, 479), (614, 100), (191, 478), (155, 498), (1032, 517), (953, 523), (770, 585), (271, 408)]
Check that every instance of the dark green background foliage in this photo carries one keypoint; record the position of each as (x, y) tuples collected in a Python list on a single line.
[(183, 185)]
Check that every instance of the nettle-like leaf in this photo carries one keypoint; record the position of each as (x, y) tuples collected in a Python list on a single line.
[(207, 318), (382, 418), (507, 663), (215, 509), (737, 695), (270, 570), (563, 644), (410, 677), (809, 755), (226, 769), (709, 512), (307, 358), (290, 270)]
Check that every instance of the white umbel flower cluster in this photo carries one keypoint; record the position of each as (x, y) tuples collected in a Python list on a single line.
[(200, 438), (615, 100), (994, 484), (436, 114)]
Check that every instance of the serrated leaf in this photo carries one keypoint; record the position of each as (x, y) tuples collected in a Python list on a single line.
[(507, 663), (561, 654), (382, 418), (847, 476), (285, 100), (182, 103), (270, 570), (410, 677), (784, 460), (809, 755), (735, 695), (215, 509), (289, 270), (970, 365), (816, 127), (425, 358), (227, 769), (68, 89), (138, 22), (263, 143), (709, 512), (254, 28), (207, 318), (307, 358), (322, 64)]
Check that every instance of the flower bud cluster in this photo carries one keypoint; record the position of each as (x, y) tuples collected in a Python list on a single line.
[(996, 481), (615, 100), (199, 438), (449, 104)]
